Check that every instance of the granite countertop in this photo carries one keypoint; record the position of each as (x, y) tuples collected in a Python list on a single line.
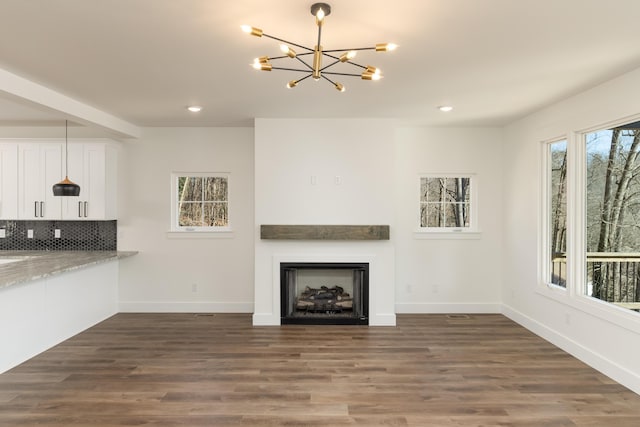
[(32, 265)]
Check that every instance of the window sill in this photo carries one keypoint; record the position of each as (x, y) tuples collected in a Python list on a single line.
[(456, 234), (219, 234)]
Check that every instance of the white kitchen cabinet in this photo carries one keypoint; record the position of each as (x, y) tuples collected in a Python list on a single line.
[(92, 165), (40, 166), (8, 180), (30, 167)]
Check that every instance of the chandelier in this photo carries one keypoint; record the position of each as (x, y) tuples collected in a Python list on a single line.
[(315, 69)]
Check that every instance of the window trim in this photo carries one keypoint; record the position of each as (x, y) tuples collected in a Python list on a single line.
[(176, 231), (453, 233)]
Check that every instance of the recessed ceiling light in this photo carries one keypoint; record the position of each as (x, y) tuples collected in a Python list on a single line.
[(194, 108), (445, 108)]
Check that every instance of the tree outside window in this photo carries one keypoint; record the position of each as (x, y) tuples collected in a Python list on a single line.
[(202, 201), (557, 193), (445, 202), (613, 215)]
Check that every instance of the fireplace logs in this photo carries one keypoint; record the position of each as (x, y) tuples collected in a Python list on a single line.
[(324, 300)]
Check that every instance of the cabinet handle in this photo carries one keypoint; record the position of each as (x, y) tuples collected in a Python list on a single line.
[(35, 209), (41, 209), (79, 207), (86, 210)]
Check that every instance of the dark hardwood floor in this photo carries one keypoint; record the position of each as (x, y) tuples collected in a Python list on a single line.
[(218, 370)]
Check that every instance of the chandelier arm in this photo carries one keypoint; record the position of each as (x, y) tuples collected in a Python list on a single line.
[(347, 50), (340, 74), (330, 65), (355, 64), (305, 64), (338, 86), (347, 62), (304, 78), (288, 57), (287, 42), (289, 69), (328, 79)]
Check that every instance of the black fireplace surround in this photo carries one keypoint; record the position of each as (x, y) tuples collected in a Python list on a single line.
[(320, 293)]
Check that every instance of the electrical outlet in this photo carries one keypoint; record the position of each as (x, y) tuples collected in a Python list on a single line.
[(338, 180), (194, 287), (29, 234), (56, 233), (3, 233)]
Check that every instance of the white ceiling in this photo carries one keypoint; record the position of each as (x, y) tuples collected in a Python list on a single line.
[(144, 61)]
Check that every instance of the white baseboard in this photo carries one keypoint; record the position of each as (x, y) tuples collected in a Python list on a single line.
[(265, 319), (382, 320), (444, 308), (184, 307), (596, 361)]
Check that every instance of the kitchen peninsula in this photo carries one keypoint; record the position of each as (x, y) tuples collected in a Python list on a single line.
[(47, 297)]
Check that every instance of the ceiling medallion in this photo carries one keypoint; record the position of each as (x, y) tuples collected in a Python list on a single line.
[(315, 69)]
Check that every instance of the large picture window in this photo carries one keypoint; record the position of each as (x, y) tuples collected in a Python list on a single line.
[(201, 202), (613, 215)]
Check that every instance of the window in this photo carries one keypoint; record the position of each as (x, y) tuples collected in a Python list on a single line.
[(556, 203), (200, 202), (612, 220), (446, 203)]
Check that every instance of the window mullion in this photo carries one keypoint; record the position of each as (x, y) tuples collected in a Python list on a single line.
[(202, 183), (576, 210)]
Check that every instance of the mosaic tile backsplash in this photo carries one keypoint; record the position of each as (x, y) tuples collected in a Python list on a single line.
[(74, 235)]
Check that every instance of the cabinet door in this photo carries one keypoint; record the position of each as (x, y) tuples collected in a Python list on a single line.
[(72, 206), (8, 181), (29, 183), (39, 168), (92, 167), (95, 181), (52, 173)]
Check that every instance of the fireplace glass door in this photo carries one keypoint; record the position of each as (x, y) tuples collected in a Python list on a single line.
[(324, 293)]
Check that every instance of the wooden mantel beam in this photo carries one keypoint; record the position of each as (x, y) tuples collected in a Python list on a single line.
[(324, 232)]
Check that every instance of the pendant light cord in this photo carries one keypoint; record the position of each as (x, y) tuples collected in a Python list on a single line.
[(66, 148)]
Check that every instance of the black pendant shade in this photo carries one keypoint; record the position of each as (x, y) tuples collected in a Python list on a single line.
[(66, 187)]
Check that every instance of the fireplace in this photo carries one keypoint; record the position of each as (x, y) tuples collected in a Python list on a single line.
[(320, 293)]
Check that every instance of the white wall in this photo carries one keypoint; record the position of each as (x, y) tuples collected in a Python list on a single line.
[(448, 275), (359, 154), (607, 339), (162, 276)]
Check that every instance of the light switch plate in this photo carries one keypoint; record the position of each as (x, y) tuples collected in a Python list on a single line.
[(56, 233), (29, 234), (3, 233)]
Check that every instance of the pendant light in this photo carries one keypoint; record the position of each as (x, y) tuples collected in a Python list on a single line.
[(66, 187)]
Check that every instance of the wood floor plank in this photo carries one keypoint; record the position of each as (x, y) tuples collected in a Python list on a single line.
[(219, 370)]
